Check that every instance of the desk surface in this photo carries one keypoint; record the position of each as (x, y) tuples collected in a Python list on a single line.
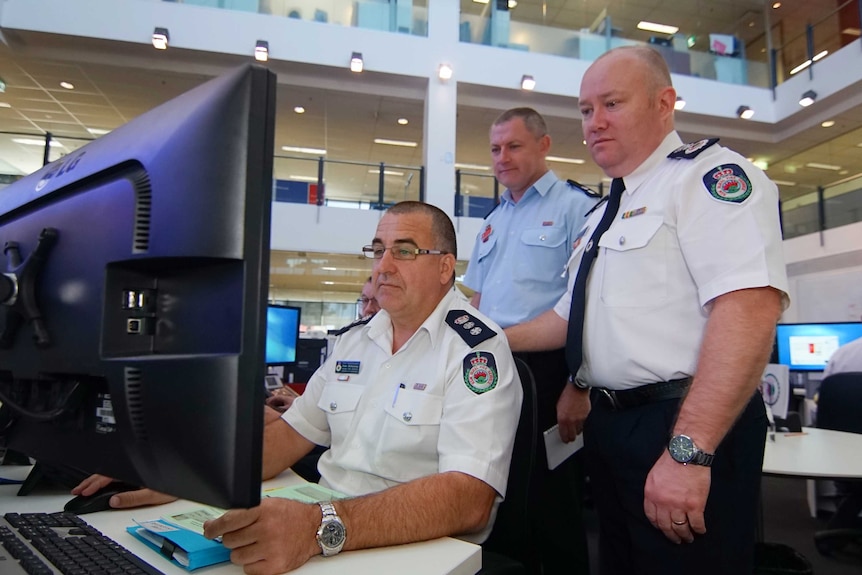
[(445, 556), (814, 453)]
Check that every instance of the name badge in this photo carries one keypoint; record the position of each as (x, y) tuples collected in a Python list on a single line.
[(347, 367)]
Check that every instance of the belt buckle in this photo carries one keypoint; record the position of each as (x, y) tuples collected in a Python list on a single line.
[(611, 396)]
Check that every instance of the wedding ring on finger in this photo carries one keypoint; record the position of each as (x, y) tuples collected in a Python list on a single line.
[(679, 522)]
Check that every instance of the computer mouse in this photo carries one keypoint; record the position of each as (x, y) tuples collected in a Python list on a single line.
[(98, 501)]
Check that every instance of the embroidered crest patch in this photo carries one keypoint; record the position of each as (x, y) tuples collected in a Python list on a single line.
[(728, 183), (480, 372)]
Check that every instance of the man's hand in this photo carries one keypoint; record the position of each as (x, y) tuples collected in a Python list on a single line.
[(675, 497), (125, 500), (572, 410), (274, 537)]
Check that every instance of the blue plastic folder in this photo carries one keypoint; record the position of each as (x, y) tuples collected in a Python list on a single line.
[(185, 548)]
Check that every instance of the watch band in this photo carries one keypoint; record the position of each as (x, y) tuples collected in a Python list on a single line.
[(331, 534)]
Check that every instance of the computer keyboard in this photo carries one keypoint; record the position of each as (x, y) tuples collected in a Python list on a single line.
[(62, 544)]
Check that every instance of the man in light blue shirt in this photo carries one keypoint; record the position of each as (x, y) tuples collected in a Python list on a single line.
[(516, 270)]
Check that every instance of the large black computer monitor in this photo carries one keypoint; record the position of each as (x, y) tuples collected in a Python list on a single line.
[(282, 334), (808, 346), (133, 296)]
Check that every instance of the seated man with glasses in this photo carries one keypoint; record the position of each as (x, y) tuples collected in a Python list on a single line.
[(368, 305), (418, 407)]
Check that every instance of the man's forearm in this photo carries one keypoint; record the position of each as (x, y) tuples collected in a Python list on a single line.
[(733, 354), (435, 506), (542, 333)]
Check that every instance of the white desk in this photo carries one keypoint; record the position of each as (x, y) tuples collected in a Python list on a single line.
[(445, 556), (814, 454)]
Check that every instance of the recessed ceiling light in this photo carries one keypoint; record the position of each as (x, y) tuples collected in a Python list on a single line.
[(35, 142), (385, 172), (859, 145), (762, 164), (776, 5), (328, 283), (98, 131), (486, 168), (784, 183), (302, 178), (67, 85), (828, 123), (402, 143), (5, 105), (820, 166), (843, 173), (329, 268), (657, 28), (302, 150), (403, 121), (299, 109), (564, 160)]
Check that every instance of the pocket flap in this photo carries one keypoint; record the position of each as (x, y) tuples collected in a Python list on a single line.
[(551, 237), (339, 397), (416, 408), (631, 234)]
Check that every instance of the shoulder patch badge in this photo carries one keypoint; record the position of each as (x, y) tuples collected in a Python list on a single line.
[(583, 188), (690, 151), (480, 372), (728, 183), (470, 328)]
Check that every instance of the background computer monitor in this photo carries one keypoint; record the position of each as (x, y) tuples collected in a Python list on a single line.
[(282, 334), (808, 346), (136, 348)]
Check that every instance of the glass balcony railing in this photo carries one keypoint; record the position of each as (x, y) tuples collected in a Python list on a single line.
[(403, 16), (822, 209)]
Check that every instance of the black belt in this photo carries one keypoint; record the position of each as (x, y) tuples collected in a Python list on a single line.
[(619, 399)]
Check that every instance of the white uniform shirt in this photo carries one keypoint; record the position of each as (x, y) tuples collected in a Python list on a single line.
[(391, 418), (672, 248), (848, 357)]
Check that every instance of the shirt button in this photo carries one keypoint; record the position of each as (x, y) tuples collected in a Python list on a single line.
[(333, 406), (407, 416), (542, 238), (622, 240)]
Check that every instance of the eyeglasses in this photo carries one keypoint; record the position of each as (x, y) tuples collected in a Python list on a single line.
[(401, 251), (366, 301)]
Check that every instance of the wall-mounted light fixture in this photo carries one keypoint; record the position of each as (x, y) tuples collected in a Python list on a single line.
[(356, 62), (527, 82), (444, 72), (161, 37), (808, 98), (744, 112), (679, 104), (261, 51)]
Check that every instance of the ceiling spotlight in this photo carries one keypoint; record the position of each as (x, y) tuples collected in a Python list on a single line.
[(444, 72), (827, 123), (527, 82), (679, 104), (356, 63), (403, 121), (744, 112), (261, 51), (299, 109), (808, 98), (161, 38), (67, 85)]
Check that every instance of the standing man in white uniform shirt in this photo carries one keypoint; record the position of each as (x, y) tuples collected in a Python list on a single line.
[(846, 358), (516, 271), (679, 313), (418, 407)]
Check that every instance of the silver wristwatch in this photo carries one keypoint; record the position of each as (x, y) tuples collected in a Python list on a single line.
[(331, 534)]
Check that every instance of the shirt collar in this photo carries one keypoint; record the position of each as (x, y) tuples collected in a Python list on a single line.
[(380, 326), (670, 143), (542, 186)]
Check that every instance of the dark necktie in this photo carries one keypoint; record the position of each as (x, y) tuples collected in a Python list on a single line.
[(574, 338)]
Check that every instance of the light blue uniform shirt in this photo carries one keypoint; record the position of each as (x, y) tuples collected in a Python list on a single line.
[(521, 252)]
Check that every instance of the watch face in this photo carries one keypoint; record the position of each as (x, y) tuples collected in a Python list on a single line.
[(332, 534), (681, 448)]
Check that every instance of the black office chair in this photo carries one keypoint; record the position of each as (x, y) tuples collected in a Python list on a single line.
[(840, 408), (510, 549)]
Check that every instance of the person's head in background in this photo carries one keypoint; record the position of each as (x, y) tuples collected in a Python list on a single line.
[(627, 104), (519, 145), (367, 302)]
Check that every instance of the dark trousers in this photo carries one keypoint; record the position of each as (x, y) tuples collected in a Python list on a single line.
[(560, 542), (621, 448)]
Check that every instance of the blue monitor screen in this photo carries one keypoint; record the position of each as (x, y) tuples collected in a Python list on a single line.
[(282, 331), (808, 346)]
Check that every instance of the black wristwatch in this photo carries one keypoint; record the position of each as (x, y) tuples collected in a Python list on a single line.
[(577, 383), (683, 450)]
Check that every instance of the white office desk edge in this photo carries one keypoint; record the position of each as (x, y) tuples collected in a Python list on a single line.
[(445, 556)]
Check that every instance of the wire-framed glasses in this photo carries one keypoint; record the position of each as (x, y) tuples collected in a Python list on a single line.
[(399, 251)]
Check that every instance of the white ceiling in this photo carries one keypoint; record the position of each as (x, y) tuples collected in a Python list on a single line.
[(115, 82)]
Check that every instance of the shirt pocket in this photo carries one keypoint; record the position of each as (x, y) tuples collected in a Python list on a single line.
[(543, 253), (339, 401), (633, 266), (413, 423)]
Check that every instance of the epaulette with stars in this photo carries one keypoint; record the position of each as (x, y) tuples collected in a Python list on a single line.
[(350, 326), (691, 151), (579, 186), (471, 329), (595, 207)]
